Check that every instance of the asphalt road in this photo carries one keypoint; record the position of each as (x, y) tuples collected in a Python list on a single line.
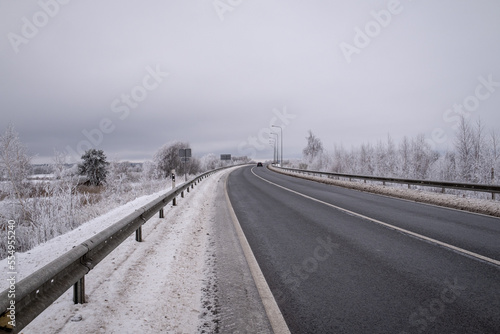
[(343, 261)]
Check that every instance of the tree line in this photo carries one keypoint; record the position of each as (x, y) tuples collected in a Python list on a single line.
[(474, 157)]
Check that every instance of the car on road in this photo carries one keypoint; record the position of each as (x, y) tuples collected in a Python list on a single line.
[(259, 164)]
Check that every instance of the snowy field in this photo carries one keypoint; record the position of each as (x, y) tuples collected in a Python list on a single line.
[(150, 287)]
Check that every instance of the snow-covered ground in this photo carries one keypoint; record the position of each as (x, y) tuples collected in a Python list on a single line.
[(483, 206), (149, 287)]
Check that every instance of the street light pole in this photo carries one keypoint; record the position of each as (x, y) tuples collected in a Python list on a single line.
[(273, 143), (276, 144), (281, 137)]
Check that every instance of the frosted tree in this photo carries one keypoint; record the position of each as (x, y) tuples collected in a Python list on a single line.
[(479, 153), (58, 165), (149, 171), (209, 161), (15, 166), (94, 166), (392, 158), (464, 146), (339, 164), (447, 167), (313, 149), (381, 166), (404, 157), (476, 152), (422, 157), (118, 180), (366, 160), (167, 158), (494, 156)]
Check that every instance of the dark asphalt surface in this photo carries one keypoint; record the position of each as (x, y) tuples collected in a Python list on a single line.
[(333, 272)]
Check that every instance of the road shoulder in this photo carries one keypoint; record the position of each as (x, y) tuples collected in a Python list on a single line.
[(233, 291)]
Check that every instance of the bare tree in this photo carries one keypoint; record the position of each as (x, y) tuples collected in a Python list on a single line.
[(464, 143), (381, 163), (209, 161), (366, 159), (167, 158), (314, 147), (404, 154), (391, 161), (340, 164), (15, 165), (58, 166)]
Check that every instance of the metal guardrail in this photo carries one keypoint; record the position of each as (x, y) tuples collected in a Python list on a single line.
[(493, 189), (39, 290)]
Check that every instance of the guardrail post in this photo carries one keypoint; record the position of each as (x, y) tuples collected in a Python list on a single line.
[(138, 234), (187, 189), (162, 215), (79, 291), (182, 194)]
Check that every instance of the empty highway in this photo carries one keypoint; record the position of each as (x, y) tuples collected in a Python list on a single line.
[(343, 261)]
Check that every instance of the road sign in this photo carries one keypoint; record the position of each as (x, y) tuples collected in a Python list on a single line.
[(185, 153), (225, 156)]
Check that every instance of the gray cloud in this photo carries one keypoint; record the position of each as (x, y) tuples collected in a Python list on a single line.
[(226, 77)]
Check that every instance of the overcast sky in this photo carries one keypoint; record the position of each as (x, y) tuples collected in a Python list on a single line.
[(129, 76)]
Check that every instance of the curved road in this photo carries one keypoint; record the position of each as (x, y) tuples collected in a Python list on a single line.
[(343, 261)]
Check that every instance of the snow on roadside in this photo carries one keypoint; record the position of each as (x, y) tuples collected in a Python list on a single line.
[(487, 207), (148, 287), (32, 260)]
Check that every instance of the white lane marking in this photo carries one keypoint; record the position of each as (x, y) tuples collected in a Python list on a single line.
[(274, 315), (437, 242)]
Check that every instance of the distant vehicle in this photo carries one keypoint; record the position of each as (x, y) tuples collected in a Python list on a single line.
[(259, 164)]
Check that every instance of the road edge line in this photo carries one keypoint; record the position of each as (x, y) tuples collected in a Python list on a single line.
[(273, 312), (393, 227)]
